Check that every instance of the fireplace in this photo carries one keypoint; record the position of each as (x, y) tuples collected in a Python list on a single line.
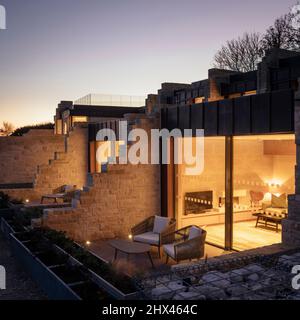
[(198, 202)]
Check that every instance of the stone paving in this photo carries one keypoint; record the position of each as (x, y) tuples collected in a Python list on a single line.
[(248, 278), (18, 284)]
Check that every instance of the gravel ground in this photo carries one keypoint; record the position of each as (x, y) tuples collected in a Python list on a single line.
[(19, 285)]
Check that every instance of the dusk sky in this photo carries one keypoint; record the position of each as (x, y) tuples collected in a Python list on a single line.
[(57, 50)]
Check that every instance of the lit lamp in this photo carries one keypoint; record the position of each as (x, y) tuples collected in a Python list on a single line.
[(275, 183), (267, 196), (130, 236), (27, 200), (88, 243)]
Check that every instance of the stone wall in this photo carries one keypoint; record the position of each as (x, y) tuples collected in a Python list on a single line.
[(46, 160), (117, 200), (20, 156), (68, 167), (291, 225)]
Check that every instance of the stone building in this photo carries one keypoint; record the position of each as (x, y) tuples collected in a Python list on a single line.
[(250, 122)]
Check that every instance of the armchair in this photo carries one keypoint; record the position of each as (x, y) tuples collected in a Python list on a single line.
[(152, 230), (186, 243)]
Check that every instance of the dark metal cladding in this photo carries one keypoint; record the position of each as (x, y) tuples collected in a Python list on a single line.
[(257, 114), (242, 115), (184, 116), (225, 117), (197, 117), (211, 118)]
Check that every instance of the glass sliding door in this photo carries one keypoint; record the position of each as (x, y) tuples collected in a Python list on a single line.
[(240, 198), (200, 199), (263, 176)]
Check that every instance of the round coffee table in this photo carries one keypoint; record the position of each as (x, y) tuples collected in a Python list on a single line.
[(130, 247)]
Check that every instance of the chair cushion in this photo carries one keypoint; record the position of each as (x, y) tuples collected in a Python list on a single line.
[(160, 223), (169, 249), (147, 237), (68, 187), (279, 202), (194, 233), (276, 212)]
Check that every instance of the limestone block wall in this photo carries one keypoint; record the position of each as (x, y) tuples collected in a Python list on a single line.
[(67, 167), (20, 156), (291, 225), (22, 194), (116, 201)]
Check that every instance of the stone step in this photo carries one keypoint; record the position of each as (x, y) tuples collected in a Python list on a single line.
[(60, 156), (54, 161), (41, 167)]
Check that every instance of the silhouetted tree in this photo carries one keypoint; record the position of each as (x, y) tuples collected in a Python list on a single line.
[(282, 34), (244, 53), (240, 54), (7, 128)]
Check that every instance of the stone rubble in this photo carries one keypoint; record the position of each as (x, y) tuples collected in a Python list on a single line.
[(263, 280)]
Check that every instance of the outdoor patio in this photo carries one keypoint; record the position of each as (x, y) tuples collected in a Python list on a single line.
[(140, 264)]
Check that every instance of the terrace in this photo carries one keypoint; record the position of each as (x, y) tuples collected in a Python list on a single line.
[(208, 275), (139, 264)]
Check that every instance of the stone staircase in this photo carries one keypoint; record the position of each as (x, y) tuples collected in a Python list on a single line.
[(64, 168)]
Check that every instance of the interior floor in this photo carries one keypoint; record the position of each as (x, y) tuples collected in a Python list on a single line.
[(245, 234)]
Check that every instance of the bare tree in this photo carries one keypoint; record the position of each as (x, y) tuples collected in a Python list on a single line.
[(282, 34), (242, 54), (7, 128)]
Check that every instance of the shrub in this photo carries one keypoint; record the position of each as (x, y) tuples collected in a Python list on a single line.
[(4, 199), (27, 214), (107, 271), (21, 131)]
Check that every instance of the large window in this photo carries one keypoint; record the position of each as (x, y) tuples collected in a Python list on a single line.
[(247, 206), (200, 198), (263, 176)]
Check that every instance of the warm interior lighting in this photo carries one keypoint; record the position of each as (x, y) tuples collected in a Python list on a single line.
[(130, 237), (249, 93), (267, 196), (79, 119), (274, 183), (199, 99), (262, 165), (88, 243), (27, 200)]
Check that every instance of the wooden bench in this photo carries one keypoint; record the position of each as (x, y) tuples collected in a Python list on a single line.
[(271, 218)]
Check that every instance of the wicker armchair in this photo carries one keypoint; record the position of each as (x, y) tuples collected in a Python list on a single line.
[(180, 246), (143, 232)]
